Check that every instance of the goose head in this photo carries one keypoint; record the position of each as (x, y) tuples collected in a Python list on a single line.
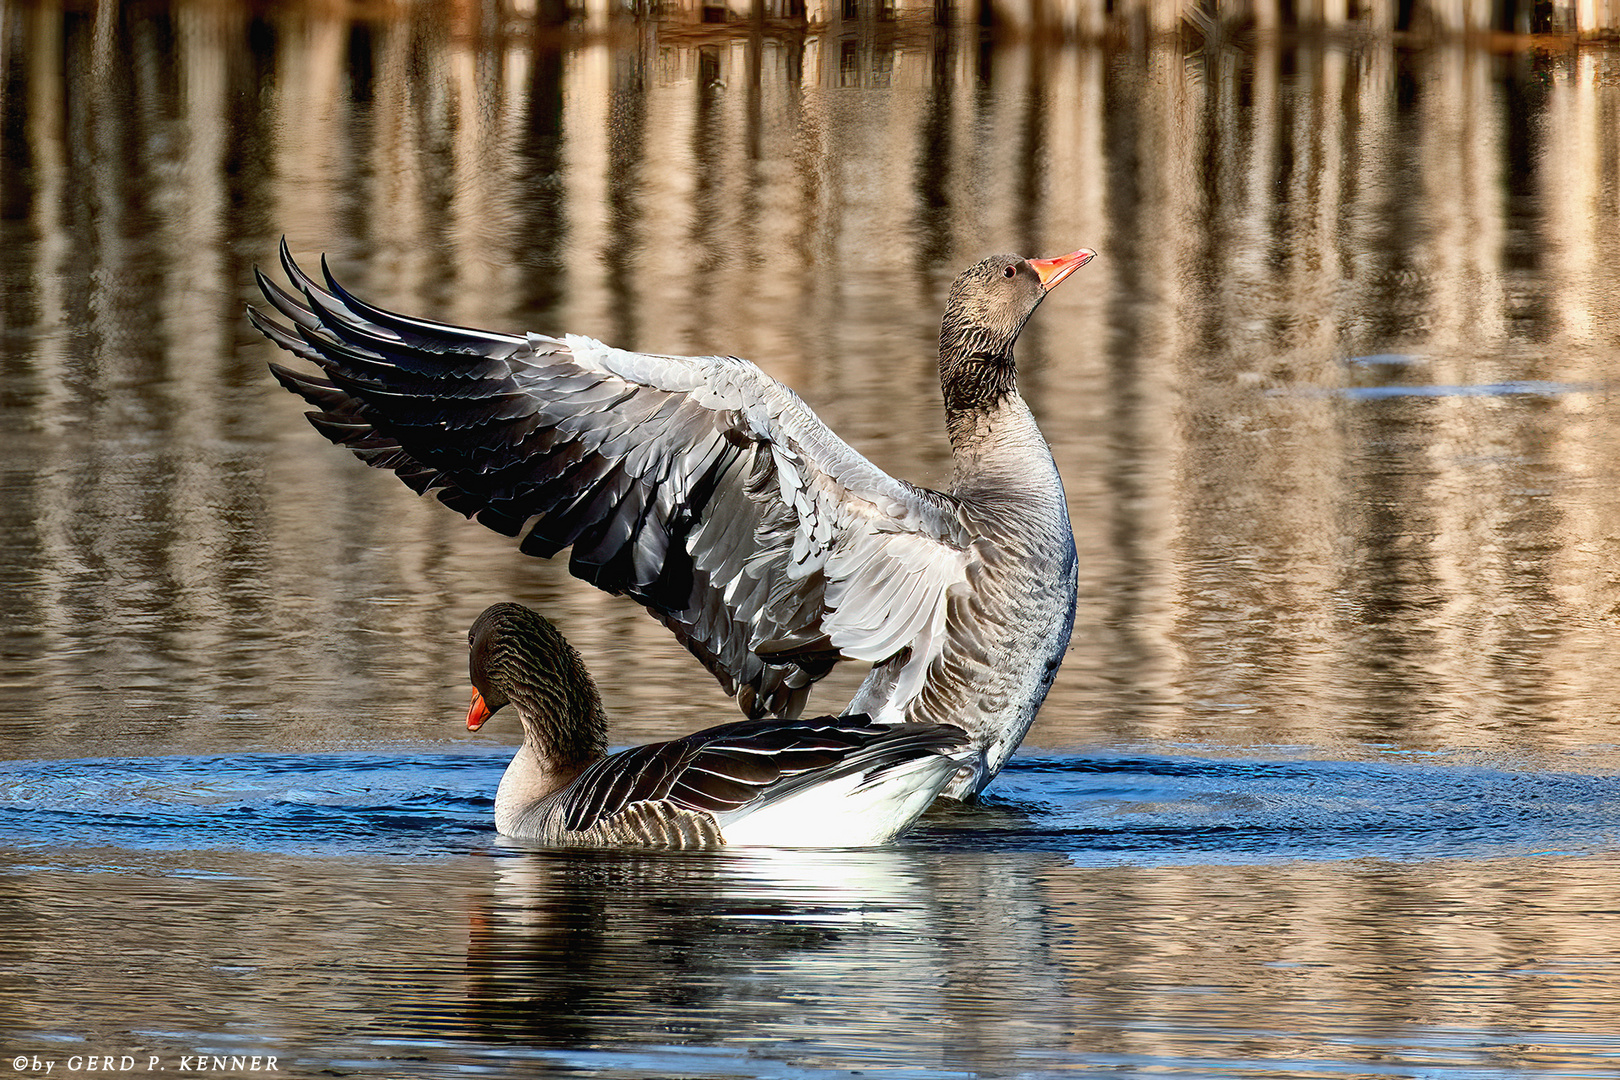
[(516, 657), (989, 304)]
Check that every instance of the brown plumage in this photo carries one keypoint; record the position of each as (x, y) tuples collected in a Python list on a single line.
[(832, 781)]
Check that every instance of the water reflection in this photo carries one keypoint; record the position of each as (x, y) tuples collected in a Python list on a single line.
[(1263, 562), (908, 962), (758, 951), (766, 944)]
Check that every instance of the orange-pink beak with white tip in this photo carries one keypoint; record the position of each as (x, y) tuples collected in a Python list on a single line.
[(477, 712), (1053, 271)]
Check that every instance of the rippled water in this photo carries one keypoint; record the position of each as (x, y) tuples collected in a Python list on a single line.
[(1131, 914), (1096, 810), (1327, 785)]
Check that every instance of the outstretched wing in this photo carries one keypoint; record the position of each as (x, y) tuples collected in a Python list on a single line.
[(706, 775), (698, 486)]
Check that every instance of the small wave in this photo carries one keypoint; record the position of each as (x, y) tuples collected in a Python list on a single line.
[(264, 802), (1507, 388), (1101, 809), (1173, 809)]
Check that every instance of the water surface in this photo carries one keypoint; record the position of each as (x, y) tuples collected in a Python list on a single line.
[(1125, 913)]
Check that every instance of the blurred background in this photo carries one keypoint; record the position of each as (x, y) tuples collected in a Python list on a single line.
[(1326, 786), (1334, 407)]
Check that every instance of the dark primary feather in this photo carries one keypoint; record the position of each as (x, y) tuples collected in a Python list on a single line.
[(725, 768), (697, 486)]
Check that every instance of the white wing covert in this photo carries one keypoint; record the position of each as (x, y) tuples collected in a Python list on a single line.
[(698, 486)]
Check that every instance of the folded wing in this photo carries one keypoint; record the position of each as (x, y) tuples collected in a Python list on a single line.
[(714, 773), (698, 486)]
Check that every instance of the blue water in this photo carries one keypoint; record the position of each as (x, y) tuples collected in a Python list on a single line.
[(1096, 810), (317, 804)]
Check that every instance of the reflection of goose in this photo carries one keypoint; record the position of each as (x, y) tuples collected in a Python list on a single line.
[(832, 782), (607, 959), (573, 949), (710, 493)]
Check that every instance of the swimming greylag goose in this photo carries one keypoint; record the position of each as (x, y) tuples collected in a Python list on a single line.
[(831, 782), (711, 494)]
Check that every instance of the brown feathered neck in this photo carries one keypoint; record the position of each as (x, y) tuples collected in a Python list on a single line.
[(988, 306), (517, 657)]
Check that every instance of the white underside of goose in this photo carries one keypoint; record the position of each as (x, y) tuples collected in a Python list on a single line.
[(851, 811), (854, 810)]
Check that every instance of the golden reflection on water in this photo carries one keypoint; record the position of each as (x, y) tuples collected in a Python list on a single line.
[(881, 960), (1438, 953), (1274, 548)]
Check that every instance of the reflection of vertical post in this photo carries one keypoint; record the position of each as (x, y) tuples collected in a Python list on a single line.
[(309, 79), (931, 171), (1317, 137), (1138, 504), (195, 290), (584, 161), (551, 12), (626, 148), (195, 295), (1583, 133), (44, 59), (707, 158), (40, 192), (473, 170), (597, 13), (431, 120), (1569, 195), (1267, 18), (1253, 165), (540, 205), (1462, 165), (109, 115), (1376, 181), (1029, 194), (1376, 16), (1465, 154)]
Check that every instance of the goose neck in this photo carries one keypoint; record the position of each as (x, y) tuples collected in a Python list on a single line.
[(563, 726), (976, 376), (1002, 457)]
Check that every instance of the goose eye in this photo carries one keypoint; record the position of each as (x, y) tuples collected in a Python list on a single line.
[(1009, 270)]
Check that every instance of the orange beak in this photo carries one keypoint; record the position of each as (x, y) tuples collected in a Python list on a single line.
[(477, 712), (1053, 271)]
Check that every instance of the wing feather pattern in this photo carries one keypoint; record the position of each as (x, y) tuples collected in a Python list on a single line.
[(698, 486), (698, 781)]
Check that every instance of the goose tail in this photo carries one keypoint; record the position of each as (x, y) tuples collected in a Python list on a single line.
[(859, 807)]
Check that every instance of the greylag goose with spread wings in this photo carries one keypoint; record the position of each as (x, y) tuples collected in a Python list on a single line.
[(831, 782), (710, 493)]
